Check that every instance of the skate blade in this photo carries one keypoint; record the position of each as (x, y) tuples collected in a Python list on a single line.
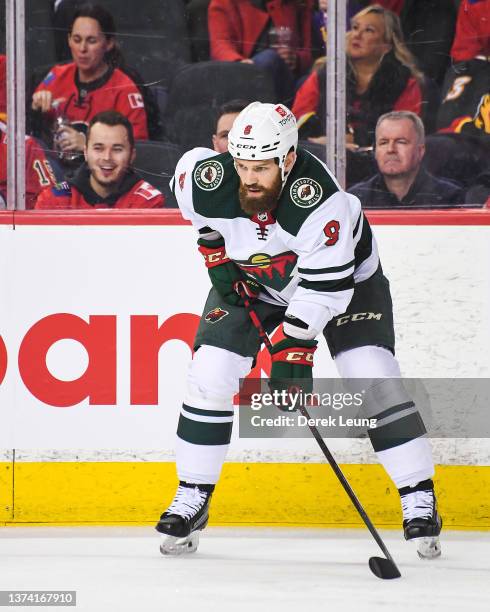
[(172, 546), (428, 548)]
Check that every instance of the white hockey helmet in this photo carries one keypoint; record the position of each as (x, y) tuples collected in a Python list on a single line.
[(263, 131)]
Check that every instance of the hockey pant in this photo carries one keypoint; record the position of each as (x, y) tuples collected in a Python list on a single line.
[(205, 423)]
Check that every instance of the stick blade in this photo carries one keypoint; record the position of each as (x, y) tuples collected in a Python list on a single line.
[(384, 568)]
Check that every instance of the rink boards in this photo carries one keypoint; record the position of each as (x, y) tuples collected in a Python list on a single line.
[(89, 400)]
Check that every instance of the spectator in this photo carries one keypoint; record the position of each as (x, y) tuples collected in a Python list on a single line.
[(273, 35), (77, 91), (107, 179), (401, 180), (227, 114), (38, 170), (381, 76), (472, 37)]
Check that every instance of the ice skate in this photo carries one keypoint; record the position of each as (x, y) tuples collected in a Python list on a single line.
[(421, 521), (186, 516)]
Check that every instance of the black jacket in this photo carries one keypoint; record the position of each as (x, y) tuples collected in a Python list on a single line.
[(427, 191)]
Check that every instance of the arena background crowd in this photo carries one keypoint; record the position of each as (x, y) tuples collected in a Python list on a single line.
[(176, 68)]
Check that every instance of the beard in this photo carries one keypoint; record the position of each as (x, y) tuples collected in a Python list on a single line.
[(265, 202)]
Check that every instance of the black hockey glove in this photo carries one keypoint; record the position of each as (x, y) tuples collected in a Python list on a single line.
[(224, 273)]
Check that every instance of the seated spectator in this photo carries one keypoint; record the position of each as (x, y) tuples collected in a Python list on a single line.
[(381, 76), (107, 179), (226, 115), (73, 93), (39, 173), (275, 36), (38, 170), (401, 180)]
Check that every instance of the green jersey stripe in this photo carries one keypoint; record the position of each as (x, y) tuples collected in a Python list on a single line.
[(335, 285)]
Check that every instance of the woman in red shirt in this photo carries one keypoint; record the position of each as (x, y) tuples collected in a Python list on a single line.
[(381, 76), (92, 83)]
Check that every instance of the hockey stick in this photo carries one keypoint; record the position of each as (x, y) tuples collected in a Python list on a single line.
[(381, 567)]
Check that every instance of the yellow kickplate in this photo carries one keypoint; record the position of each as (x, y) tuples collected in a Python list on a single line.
[(248, 494), (6, 491)]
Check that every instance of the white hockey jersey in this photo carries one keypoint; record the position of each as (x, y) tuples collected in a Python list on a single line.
[(306, 255)]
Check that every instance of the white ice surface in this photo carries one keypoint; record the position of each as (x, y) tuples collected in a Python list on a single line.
[(247, 569)]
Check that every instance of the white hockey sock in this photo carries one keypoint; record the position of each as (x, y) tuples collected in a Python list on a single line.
[(409, 463), (206, 419)]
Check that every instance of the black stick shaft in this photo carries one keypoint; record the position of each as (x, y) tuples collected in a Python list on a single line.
[(345, 484), (321, 443)]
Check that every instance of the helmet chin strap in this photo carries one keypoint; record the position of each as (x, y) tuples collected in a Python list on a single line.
[(284, 174)]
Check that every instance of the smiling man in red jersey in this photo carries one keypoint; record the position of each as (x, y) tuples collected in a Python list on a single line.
[(107, 179)]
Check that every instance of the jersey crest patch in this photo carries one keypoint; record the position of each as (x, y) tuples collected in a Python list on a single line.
[(273, 271), (305, 192), (209, 175), (216, 315)]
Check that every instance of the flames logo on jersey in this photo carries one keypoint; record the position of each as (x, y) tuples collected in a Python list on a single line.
[(216, 315), (209, 175), (482, 119), (273, 271)]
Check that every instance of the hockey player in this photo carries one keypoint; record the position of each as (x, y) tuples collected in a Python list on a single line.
[(267, 202), (107, 180)]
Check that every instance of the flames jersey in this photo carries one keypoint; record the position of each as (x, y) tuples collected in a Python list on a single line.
[(306, 255), (39, 173), (79, 102), (133, 192)]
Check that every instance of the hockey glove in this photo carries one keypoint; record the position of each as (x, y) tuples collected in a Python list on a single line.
[(225, 274), (291, 372)]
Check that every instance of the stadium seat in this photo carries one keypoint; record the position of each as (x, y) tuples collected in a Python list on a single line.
[(198, 90), (155, 163), (458, 157)]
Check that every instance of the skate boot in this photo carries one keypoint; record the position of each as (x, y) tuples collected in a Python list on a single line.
[(180, 524), (421, 521)]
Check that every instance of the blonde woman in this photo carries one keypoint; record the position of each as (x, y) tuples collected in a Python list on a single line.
[(381, 76)]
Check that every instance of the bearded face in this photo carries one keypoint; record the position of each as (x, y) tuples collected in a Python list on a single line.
[(257, 198)]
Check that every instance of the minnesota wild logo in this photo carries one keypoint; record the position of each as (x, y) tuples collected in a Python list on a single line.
[(209, 175), (305, 192), (216, 315), (273, 271)]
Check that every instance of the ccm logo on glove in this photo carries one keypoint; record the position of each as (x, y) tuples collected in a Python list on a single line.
[(214, 256)]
